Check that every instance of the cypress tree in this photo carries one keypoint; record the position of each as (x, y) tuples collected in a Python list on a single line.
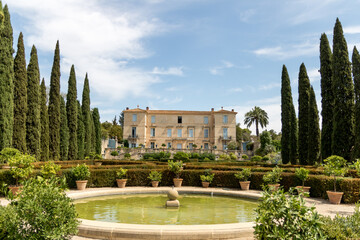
[(314, 130), (343, 88), (80, 133), (304, 97), (356, 74), (33, 112), (20, 97), (54, 107), (327, 95), (64, 131), (286, 100), (6, 80), (293, 136), (93, 134), (72, 115), (44, 123), (97, 126), (86, 116)]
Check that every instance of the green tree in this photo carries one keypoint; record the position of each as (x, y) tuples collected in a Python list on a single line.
[(327, 96), (294, 137), (356, 74), (93, 135), (80, 133), (257, 116), (6, 80), (72, 115), (304, 98), (85, 105), (314, 130), (64, 131), (54, 107), (287, 124), (20, 97), (44, 123), (33, 103), (343, 88), (97, 125)]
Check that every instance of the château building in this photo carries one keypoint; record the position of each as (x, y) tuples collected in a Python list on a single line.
[(179, 129)]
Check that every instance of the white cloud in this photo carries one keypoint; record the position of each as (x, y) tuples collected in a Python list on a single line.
[(269, 86), (246, 15), (235, 90), (176, 71), (314, 75), (217, 70), (290, 51), (168, 101), (352, 30)]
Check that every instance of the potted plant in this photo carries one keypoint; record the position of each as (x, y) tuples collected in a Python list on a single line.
[(176, 168), (243, 178), (302, 174), (121, 177), (207, 178), (81, 174), (98, 160), (335, 166), (49, 169), (21, 168), (6, 154), (273, 178), (155, 178)]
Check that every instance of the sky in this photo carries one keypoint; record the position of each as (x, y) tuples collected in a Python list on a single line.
[(183, 55)]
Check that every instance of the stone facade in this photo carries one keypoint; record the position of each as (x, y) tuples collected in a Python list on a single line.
[(179, 129)]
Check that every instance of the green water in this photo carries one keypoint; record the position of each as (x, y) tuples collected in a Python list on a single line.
[(150, 209)]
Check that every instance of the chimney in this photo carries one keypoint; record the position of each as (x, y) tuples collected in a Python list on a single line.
[(212, 109), (147, 108), (222, 108), (127, 108), (232, 110), (137, 106)]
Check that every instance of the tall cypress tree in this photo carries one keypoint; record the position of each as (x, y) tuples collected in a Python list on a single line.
[(54, 107), (6, 80), (44, 123), (80, 134), (356, 74), (93, 134), (97, 126), (314, 130), (72, 115), (86, 116), (304, 97), (286, 102), (327, 96), (64, 131), (33, 113), (20, 97), (343, 88), (293, 136)]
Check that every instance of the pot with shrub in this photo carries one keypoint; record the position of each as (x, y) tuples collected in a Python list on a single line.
[(6, 154), (335, 166), (302, 174), (243, 178), (21, 167), (273, 178), (176, 168), (81, 174), (207, 178), (155, 178), (121, 177)]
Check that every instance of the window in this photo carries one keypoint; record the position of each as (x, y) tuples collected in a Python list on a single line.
[(134, 117), (152, 132), (168, 145), (179, 119), (225, 133), (224, 147), (225, 119), (133, 145), (206, 120), (152, 145), (133, 132), (191, 133), (179, 146), (190, 146), (179, 133), (206, 145), (169, 132), (152, 119), (206, 133)]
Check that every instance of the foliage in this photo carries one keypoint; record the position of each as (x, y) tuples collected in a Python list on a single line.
[(21, 166), (81, 172), (194, 155), (244, 156), (7, 153), (80, 133), (121, 173), (127, 155), (44, 124), (244, 175), (256, 158), (42, 212), (224, 157), (257, 116), (114, 153), (232, 156), (357, 166), (273, 176), (72, 114), (314, 134), (64, 131), (242, 134), (181, 156), (85, 105), (335, 166), (283, 216), (175, 167), (49, 169), (155, 176), (265, 139), (232, 145), (157, 156), (207, 178), (194, 146), (302, 174), (356, 74)]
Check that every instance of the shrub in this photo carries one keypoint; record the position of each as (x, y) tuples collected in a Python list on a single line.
[(256, 158), (8, 153), (121, 173), (181, 156), (21, 166), (273, 176), (127, 155), (207, 178), (282, 216), (49, 169), (155, 176), (335, 166), (98, 157), (265, 158), (194, 146), (175, 167), (43, 212), (244, 157), (232, 146), (232, 156), (81, 172), (114, 153), (224, 157), (244, 175), (195, 155), (302, 174), (209, 156)]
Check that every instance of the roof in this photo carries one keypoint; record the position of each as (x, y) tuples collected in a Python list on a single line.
[(178, 112)]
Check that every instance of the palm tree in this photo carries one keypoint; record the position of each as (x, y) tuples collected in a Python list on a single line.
[(256, 115)]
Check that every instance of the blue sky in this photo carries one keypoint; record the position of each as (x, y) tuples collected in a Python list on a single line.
[(185, 55)]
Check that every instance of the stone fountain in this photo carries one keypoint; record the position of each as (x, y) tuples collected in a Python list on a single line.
[(172, 195)]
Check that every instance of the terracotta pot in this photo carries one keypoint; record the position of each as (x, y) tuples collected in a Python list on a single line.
[(245, 185), (274, 187), (15, 190), (177, 182), (98, 163), (155, 183), (334, 197), (121, 182), (205, 184), (81, 184), (303, 189)]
